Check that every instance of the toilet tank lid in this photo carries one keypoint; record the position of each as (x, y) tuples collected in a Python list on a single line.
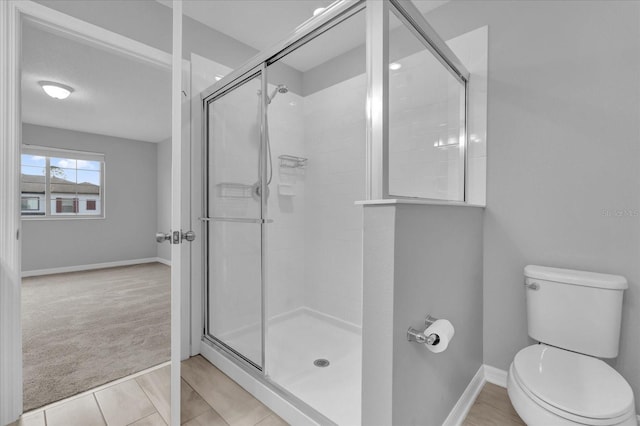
[(570, 276)]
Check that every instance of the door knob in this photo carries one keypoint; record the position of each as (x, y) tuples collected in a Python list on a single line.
[(161, 237)]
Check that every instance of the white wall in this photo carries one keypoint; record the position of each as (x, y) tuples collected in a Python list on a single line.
[(438, 271), (127, 231), (419, 260), (563, 108)]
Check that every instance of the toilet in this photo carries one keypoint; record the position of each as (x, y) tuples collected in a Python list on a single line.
[(575, 315)]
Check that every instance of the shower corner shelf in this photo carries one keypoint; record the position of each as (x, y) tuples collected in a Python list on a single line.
[(293, 162)]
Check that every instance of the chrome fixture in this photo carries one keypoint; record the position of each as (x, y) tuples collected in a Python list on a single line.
[(162, 237), (531, 285), (280, 88), (175, 237), (189, 236), (418, 336)]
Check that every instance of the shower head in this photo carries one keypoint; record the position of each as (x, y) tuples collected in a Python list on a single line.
[(280, 88)]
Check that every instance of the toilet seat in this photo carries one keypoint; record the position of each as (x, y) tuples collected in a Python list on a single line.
[(570, 385)]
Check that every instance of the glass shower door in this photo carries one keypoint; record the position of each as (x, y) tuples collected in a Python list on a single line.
[(234, 218)]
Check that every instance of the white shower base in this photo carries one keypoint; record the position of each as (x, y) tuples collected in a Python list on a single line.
[(297, 339)]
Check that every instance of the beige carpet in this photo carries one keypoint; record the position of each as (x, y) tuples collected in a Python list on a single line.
[(84, 329)]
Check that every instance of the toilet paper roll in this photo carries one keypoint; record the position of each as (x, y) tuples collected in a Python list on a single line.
[(445, 331)]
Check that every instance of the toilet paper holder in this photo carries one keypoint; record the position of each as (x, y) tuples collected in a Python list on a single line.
[(418, 336)]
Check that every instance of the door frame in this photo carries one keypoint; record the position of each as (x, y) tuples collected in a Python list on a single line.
[(12, 14)]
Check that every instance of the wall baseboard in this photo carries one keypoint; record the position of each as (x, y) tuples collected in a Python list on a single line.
[(77, 268), (485, 374), (163, 261), (495, 375), (468, 397)]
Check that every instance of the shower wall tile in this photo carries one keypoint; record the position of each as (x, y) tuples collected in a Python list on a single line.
[(286, 213), (335, 131), (417, 167), (315, 238)]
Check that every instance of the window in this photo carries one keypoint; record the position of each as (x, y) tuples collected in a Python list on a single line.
[(66, 205), (61, 183), (30, 204)]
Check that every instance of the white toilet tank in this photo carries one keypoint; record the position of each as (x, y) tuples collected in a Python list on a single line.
[(575, 310)]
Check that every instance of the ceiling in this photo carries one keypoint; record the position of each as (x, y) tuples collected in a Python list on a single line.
[(118, 96), (262, 24), (114, 95)]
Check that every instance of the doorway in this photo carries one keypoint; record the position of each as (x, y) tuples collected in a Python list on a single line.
[(95, 291)]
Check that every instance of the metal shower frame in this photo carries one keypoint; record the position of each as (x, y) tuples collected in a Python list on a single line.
[(377, 139)]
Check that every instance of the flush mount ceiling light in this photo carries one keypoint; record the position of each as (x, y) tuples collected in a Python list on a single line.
[(56, 90), (394, 66)]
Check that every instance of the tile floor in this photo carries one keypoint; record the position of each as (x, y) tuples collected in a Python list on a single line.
[(209, 398), (493, 408)]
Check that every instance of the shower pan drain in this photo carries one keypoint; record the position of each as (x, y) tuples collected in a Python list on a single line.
[(321, 362)]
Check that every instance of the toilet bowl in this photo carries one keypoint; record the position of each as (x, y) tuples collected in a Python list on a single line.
[(549, 386), (576, 315)]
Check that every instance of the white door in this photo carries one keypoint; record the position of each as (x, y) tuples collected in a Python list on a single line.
[(10, 247)]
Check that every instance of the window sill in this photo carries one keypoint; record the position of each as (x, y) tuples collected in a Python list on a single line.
[(399, 201), (37, 218)]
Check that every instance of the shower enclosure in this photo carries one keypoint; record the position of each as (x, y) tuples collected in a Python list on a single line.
[(292, 142)]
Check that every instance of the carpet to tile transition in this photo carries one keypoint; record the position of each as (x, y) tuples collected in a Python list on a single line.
[(84, 329)]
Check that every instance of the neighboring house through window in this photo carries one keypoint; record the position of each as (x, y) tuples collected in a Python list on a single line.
[(30, 204), (61, 183)]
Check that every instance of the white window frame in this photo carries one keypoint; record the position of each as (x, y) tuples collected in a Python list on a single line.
[(49, 152)]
